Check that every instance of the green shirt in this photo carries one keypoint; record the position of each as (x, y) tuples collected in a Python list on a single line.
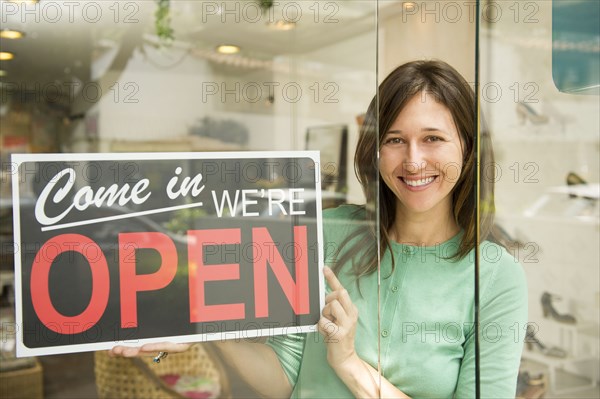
[(427, 317)]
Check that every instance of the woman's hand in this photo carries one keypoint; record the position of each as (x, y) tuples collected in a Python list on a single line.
[(338, 324), (149, 349)]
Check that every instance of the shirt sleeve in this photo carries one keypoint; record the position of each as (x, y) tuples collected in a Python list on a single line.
[(288, 349), (503, 323)]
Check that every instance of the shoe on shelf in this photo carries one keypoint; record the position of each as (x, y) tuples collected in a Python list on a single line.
[(573, 179), (549, 311), (533, 343), (526, 112), (531, 387)]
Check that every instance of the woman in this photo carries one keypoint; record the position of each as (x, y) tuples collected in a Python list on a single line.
[(419, 328)]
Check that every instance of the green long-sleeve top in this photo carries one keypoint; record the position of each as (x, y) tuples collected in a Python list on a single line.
[(427, 318)]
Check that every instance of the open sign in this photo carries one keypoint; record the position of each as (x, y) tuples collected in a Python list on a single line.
[(171, 248)]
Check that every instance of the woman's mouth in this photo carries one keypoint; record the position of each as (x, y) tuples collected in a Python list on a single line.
[(418, 183)]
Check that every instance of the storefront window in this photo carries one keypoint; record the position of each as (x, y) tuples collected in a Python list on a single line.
[(499, 114), (177, 77)]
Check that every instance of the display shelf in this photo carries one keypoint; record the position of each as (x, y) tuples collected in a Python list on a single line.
[(525, 217), (536, 138), (573, 339), (586, 220), (571, 386), (583, 211), (560, 380)]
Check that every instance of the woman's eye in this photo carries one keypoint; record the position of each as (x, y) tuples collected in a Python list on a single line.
[(434, 138), (394, 140)]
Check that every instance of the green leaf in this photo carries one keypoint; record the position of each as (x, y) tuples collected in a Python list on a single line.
[(162, 22)]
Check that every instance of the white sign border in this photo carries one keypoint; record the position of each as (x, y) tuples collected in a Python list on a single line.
[(18, 159)]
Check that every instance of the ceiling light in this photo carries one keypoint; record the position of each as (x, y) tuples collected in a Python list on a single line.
[(281, 25), (228, 49), (409, 6), (6, 55), (11, 34)]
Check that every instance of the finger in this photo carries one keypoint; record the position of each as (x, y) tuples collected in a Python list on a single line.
[(346, 302), (326, 313), (326, 327), (125, 351), (331, 279), (343, 297), (335, 313), (330, 314), (116, 351), (171, 347), (338, 313), (148, 349), (332, 296)]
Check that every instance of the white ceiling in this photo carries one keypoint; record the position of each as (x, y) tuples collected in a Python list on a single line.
[(62, 38)]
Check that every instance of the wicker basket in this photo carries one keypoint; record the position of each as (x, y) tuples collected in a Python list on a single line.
[(22, 383), (123, 378)]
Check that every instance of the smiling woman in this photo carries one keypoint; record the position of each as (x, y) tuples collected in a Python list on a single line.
[(414, 157), (423, 126)]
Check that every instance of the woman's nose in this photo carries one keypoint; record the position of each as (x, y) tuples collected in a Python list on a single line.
[(415, 158)]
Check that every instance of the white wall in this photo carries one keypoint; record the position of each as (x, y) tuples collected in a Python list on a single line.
[(331, 85), (430, 30)]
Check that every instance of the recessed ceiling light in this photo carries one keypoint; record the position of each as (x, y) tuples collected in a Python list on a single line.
[(281, 24), (228, 49), (11, 34), (6, 55), (409, 6)]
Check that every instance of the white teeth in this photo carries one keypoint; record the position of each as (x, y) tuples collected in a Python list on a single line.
[(421, 182)]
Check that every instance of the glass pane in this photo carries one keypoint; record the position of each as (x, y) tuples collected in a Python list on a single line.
[(428, 128), (146, 77), (539, 97)]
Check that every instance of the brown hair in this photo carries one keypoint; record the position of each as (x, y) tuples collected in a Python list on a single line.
[(448, 87)]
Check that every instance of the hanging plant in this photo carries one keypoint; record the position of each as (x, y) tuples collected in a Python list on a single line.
[(163, 22), (265, 5)]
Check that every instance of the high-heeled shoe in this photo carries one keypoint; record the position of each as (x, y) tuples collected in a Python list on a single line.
[(531, 386), (526, 112), (533, 343), (549, 311), (573, 179)]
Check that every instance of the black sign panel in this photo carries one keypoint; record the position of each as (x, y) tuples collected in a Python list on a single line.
[(134, 248)]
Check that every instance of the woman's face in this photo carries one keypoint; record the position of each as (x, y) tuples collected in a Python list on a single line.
[(421, 157)]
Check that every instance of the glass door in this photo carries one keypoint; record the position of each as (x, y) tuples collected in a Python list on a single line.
[(539, 97)]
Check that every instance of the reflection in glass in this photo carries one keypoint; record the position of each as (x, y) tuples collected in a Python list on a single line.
[(540, 67), (147, 77), (575, 46)]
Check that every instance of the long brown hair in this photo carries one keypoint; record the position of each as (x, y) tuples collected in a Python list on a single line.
[(448, 87)]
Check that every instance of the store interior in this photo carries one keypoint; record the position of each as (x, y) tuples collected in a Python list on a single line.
[(147, 76)]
